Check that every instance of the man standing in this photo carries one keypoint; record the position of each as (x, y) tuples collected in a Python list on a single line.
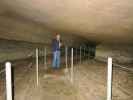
[(56, 44)]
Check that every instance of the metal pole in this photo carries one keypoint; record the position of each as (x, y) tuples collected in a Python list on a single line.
[(37, 80), (45, 58), (80, 55), (72, 65), (109, 79), (88, 53), (76, 56), (84, 52), (66, 54), (8, 81)]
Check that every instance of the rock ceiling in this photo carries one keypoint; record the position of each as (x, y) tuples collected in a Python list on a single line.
[(93, 20)]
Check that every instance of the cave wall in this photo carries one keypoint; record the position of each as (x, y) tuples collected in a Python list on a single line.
[(120, 53), (15, 27)]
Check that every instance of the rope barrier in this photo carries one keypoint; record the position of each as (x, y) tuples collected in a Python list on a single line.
[(117, 65), (2, 71), (123, 67), (29, 55)]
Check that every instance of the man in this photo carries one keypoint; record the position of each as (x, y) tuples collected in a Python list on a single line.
[(56, 44)]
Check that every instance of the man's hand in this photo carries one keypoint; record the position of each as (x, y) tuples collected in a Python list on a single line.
[(60, 44)]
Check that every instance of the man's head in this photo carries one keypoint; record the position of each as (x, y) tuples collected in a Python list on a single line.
[(58, 36)]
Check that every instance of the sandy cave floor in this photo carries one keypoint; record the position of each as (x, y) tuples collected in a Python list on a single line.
[(89, 83)]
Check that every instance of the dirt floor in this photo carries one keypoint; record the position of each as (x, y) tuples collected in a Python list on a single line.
[(89, 83)]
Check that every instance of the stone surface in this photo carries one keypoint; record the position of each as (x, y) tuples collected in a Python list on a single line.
[(120, 53), (98, 21)]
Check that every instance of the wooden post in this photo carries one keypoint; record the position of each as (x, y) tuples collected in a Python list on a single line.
[(37, 79), (8, 81), (109, 79), (72, 65)]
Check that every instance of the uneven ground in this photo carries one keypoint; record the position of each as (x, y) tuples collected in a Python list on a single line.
[(89, 83)]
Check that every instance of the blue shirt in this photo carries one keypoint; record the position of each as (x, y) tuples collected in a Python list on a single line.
[(55, 45)]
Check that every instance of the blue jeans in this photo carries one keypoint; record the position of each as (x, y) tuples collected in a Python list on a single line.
[(56, 59)]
